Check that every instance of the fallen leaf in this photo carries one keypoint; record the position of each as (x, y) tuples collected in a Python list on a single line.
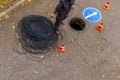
[(113, 66), (36, 72), (50, 5), (103, 76), (19, 44), (7, 16), (14, 27), (41, 56), (1, 6)]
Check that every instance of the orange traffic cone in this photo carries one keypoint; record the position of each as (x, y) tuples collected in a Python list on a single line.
[(61, 48), (100, 27), (106, 6)]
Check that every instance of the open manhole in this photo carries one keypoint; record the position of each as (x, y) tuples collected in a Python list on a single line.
[(77, 24)]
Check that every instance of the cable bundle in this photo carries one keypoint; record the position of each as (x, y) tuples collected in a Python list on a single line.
[(36, 34)]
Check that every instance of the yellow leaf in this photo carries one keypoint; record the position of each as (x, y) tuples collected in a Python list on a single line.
[(7, 16), (41, 56), (19, 44), (13, 27), (102, 76), (36, 72), (1, 6), (29, 0), (113, 66), (50, 5)]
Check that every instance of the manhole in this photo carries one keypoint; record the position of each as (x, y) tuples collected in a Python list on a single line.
[(77, 24)]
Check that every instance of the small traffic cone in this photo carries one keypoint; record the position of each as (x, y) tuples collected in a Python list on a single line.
[(100, 27), (106, 6), (61, 48)]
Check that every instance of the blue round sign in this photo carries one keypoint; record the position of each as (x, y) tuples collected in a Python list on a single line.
[(92, 14)]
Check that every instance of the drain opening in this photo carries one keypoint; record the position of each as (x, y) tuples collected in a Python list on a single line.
[(77, 24)]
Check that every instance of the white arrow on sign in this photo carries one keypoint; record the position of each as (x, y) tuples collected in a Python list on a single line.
[(94, 13)]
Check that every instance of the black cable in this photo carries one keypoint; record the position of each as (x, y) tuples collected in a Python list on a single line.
[(36, 34)]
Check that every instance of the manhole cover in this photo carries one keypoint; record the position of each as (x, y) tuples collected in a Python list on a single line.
[(77, 24)]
